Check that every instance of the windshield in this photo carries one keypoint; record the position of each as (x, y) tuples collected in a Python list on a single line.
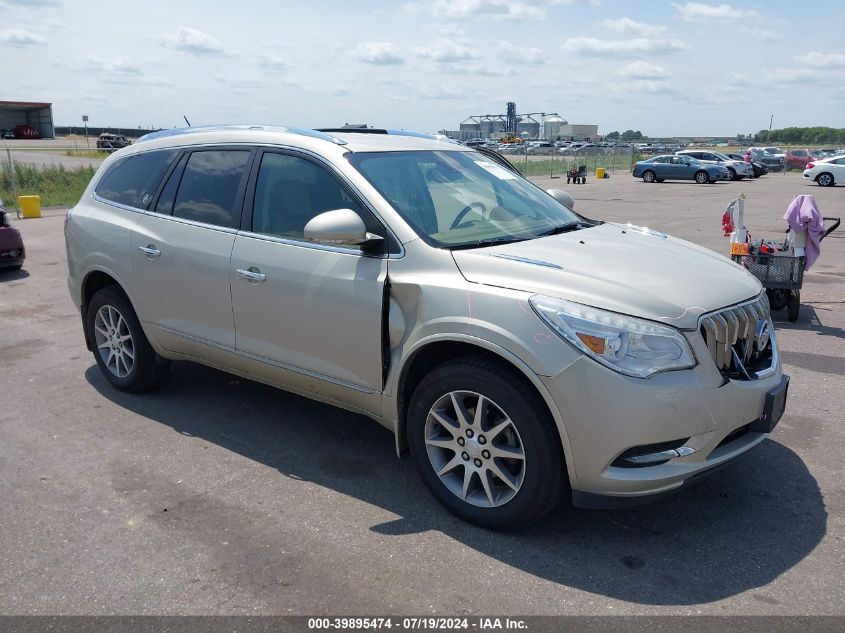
[(721, 156), (462, 199)]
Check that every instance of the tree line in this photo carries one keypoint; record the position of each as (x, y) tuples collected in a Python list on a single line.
[(802, 135)]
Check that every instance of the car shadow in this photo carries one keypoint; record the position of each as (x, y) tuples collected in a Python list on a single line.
[(737, 530), (808, 319), (12, 275)]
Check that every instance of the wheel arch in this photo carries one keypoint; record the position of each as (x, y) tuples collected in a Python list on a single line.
[(433, 351)]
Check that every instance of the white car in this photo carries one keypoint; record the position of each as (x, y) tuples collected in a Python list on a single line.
[(739, 169), (826, 172)]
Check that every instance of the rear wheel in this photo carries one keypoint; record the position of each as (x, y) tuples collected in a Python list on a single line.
[(485, 444), (702, 177), (825, 180), (121, 348), (648, 176), (793, 306)]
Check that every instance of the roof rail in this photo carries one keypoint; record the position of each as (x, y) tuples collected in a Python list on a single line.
[(376, 130), (242, 128)]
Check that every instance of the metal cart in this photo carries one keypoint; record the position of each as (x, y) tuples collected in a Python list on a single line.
[(781, 274)]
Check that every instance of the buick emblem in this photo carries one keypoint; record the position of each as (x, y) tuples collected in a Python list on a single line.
[(761, 336)]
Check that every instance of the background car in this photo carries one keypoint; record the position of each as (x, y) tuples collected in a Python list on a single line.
[(541, 147), (111, 142), (758, 168), (798, 158), (26, 131), (12, 252), (7, 134), (670, 167), (739, 168), (826, 172), (772, 161)]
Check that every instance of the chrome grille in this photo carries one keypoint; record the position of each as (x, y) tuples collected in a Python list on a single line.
[(730, 337)]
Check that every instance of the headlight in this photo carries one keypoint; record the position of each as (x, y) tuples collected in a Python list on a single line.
[(633, 347)]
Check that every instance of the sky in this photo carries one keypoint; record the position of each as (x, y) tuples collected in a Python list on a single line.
[(665, 68)]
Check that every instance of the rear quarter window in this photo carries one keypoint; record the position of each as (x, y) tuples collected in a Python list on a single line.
[(133, 180)]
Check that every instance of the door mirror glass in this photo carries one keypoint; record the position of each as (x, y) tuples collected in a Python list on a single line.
[(341, 227)]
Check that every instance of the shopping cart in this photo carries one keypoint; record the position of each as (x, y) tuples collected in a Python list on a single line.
[(781, 273)]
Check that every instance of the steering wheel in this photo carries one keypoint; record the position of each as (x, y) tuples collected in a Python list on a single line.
[(456, 223)]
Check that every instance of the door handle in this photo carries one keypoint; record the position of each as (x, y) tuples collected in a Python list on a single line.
[(150, 251), (252, 274)]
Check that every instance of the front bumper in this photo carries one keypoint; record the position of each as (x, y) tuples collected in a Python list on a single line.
[(606, 414), (12, 255)]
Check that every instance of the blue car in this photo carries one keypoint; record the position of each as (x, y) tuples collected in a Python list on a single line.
[(662, 168)]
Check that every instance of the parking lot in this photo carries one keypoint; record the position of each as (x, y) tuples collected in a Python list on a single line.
[(217, 495)]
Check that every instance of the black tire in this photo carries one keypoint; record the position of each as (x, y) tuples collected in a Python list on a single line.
[(702, 177), (825, 180), (793, 306), (148, 368), (778, 298), (11, 269), (545, 480), (733, 174), (649, 176)]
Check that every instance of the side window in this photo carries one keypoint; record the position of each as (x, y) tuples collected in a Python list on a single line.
[(133, 180), (168, 194), (208, 190), (291, 190)]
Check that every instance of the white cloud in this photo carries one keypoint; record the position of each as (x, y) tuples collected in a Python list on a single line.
[(632, 27), (643, 70), (116, 66), (20, 38), (792, 76), (379, 53), (821, 60), (193, 42), (31, 4), (441, 92), (272, 63), (495, 9), (596, 47), (446, 52), (764, 35), (650, 87), (521, 54), (692, 11)]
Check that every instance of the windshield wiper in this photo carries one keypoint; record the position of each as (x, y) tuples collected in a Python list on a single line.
[(566, 228), (488, 242)]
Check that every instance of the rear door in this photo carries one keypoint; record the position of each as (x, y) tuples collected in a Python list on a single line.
[(182, 247)]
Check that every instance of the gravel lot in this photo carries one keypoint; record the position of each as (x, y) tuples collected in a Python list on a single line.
[(216, 495)]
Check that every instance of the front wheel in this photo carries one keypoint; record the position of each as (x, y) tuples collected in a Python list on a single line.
[(121, 348), (648, 176), (702, 178), (825, 180), (485, 444), (733, 174)]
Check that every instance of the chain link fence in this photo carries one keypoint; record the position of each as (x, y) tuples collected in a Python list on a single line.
[(51, 175), (558, 162)]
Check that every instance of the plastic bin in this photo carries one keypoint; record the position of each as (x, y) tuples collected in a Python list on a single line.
[(30, 206), (599, 172)]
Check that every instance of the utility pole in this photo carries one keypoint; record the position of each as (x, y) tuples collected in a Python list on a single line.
[(772, 118)]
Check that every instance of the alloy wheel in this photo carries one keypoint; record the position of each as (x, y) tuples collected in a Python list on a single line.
[(114, 341), (475, 449)]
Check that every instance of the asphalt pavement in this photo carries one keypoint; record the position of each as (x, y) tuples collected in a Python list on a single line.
[(217, 495)]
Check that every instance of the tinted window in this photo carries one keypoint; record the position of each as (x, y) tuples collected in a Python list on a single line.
[(168, 194), (209, 187), (290, 191), (133, 180)]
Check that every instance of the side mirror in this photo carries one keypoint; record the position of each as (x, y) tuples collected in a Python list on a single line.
[(561, 196), (342, 227)]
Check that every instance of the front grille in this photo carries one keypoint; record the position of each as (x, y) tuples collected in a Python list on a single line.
[(731, 337)]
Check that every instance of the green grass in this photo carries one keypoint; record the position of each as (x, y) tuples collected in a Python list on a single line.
[(57, 186), (87, 153)]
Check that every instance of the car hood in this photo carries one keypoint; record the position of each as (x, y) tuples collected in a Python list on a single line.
[(622, 268)]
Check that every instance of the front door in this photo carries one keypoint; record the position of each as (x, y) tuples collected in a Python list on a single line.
[(312, 313)]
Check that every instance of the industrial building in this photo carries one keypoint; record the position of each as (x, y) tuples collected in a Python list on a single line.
[(36, 115), (531, 125)]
